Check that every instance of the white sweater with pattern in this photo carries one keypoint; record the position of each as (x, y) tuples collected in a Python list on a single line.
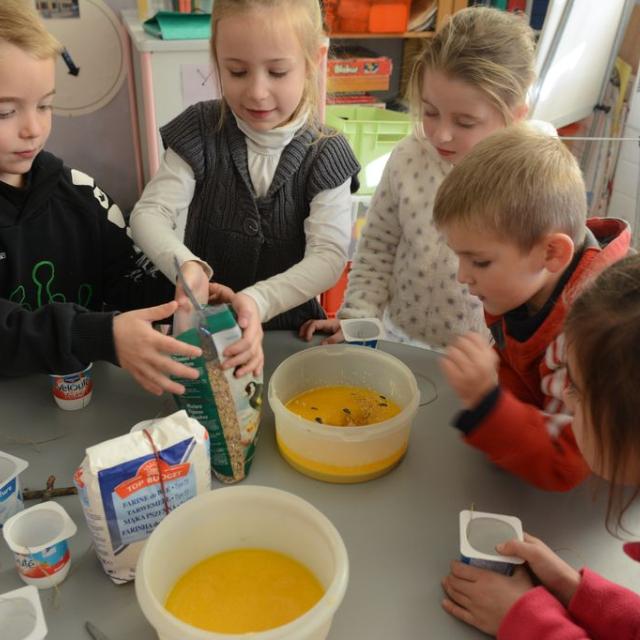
[(403, 269)]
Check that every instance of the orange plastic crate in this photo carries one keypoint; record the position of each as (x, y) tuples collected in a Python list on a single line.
[(389, 16)]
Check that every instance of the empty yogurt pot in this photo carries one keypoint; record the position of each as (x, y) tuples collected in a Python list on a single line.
[(72, 391), (10, 494), (38, 538), (21, 616), (481, 532), (363, 331)]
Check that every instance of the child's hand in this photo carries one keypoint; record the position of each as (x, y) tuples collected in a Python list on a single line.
[(326, 326), (247, 352), (482, 598), (470, 366), (197, 280), (555, 574), (219, 293), (144, 352)]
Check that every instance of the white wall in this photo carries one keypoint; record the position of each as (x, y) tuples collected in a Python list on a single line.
[(626, 185), (101, 143)]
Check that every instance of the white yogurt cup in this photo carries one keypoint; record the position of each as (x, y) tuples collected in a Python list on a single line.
[(72, 391), (21, 615), (480, 533), (38, 538), (362, 331), (10, 494)]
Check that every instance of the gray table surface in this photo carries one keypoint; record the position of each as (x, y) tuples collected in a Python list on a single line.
[(401, 530)]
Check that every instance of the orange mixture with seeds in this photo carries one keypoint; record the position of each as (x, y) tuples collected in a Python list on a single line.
[(343, 406)]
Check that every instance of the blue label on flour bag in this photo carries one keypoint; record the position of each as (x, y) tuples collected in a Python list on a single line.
[(133, 496)]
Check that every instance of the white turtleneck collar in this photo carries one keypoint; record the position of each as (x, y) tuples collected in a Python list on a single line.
[(274, 140), (264, 149)]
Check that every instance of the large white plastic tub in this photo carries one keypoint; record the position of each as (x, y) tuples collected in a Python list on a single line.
[(242, 517), (343, 454)]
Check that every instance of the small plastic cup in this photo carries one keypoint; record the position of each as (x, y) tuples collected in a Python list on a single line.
[(21, 615), (72, 391), (10, 494), (362, 331), (38, 538), (480, 533)]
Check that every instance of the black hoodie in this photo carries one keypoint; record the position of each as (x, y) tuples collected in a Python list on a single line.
[(67, 265)]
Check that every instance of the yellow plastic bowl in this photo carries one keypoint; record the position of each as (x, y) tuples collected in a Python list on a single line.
[(343, 454)]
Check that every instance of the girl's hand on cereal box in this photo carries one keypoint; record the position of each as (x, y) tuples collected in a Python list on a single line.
[(246, 355), (197, 280), (470, 365), (145, 352), (331, 326), (219, 293), (481, 597), (556, 575)]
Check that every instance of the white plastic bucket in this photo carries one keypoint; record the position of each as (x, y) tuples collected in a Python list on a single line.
[(21, 616), (242, 517), (10, 494), (343, 454), (38, 538)]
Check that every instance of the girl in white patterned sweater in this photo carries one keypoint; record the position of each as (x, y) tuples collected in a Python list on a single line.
[(471, 80)]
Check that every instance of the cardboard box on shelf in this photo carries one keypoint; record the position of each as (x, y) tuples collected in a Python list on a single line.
[(357, 69), (358, 66)]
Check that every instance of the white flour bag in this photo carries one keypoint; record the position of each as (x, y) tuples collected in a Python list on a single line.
[(128, 484)]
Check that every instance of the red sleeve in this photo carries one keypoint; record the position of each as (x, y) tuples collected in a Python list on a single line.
[(606, 609), (516, 436), (538, 615)]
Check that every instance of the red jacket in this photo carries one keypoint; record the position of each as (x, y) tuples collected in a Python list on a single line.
[(528, 429), (599, 609)]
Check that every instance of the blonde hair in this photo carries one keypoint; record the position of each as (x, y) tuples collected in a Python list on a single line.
[(21, 26), (491, 50), (305, 18), (518, 184)]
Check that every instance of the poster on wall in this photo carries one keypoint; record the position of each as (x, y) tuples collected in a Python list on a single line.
[(58, 8)]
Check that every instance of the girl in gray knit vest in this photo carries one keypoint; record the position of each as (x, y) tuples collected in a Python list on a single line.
[(471, 79), (267, 188)]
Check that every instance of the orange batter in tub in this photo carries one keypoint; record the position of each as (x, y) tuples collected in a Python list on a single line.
[(343, 406), (244, 590)]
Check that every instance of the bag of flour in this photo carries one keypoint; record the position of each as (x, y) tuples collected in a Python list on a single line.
[(128, 484)]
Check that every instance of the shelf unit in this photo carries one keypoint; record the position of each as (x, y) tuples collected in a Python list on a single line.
[(381, 36)]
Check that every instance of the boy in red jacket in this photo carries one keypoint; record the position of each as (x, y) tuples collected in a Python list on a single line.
[(514, 213)]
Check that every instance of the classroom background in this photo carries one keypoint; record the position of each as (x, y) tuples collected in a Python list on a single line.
[(104, 121)]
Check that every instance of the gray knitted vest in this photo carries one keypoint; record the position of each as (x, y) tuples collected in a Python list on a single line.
[(243, 237)]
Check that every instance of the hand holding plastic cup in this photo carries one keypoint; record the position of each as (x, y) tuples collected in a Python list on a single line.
[(72, 391), (38, 538), (481, 532), (362, 331)]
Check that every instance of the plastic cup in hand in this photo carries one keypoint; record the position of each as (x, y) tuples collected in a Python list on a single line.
[(362, 331)]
